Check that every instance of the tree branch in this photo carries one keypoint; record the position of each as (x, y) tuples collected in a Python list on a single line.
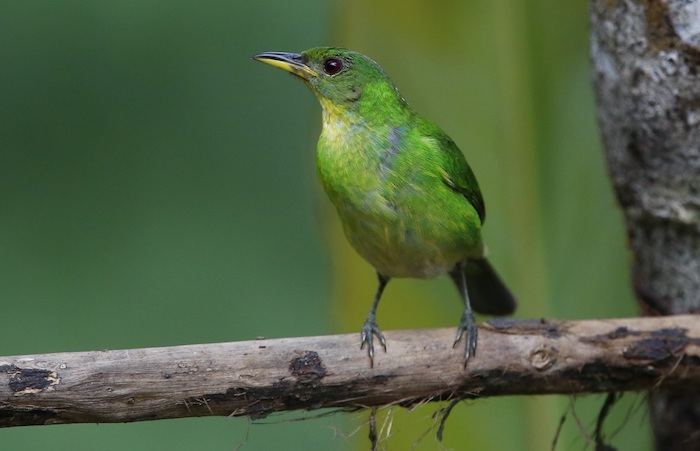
[(256, 378)]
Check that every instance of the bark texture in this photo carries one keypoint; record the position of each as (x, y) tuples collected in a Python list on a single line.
[(646, 72), (257, 378)]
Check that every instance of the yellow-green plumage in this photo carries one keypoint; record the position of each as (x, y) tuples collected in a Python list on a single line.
[(391, 195), (407, 199)]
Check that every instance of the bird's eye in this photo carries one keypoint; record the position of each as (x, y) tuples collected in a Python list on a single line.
[(332, 66)]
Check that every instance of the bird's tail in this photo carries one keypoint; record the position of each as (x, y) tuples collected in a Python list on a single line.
[(487, 292)]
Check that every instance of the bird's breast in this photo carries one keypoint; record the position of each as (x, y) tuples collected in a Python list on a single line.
[(396, 211)]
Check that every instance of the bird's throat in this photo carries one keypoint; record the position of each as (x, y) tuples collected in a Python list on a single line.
[(338, 122)]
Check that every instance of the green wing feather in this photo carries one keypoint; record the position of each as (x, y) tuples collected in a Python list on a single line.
[(456, 171)]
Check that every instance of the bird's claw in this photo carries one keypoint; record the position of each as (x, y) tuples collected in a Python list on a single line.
[(467, 328), (369, 331)]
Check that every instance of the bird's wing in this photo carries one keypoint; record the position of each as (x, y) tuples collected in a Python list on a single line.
[(456, 171)]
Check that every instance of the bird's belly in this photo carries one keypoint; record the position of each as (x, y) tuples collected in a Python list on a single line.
[(410, 239)]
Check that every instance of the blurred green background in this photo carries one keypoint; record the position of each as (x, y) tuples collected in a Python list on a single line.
[(157, 187)]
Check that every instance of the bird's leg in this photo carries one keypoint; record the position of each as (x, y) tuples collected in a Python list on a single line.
[(370, 328), (467, 325)]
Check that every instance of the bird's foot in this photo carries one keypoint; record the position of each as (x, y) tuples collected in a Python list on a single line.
[(369, 331), (467, 328)]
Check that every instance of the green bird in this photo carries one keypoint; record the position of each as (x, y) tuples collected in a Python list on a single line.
[(408, 201)]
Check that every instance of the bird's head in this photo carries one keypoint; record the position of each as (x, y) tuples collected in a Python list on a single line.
[(339, 77)]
